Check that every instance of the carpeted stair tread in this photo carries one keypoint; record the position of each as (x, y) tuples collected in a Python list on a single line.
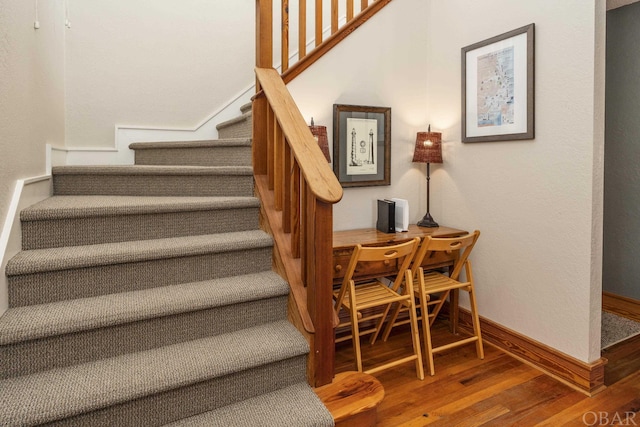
[(63, 317), (233, 121), (210, 143), (59, 393), (237, 127), (246, 108), (154, 180), (58, 207), (296, 405), (152, 170), (231, 151), (64, 258)]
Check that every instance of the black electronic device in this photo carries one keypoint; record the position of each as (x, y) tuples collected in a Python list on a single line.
[(386, 222)]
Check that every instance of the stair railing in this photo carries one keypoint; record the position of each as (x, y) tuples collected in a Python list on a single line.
[(297, 189), (294, 182), (343, 21)]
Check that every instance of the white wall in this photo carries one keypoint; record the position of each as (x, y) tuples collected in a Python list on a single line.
[(153, 63), (538, 203), (539, 258), (385, 69), (31, 89), (31, 106)]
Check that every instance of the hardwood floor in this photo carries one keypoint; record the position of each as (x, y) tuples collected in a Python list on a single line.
[(496, 391)]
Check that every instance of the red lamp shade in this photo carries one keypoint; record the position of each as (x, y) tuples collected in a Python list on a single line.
[(428, 148), (320, 134)]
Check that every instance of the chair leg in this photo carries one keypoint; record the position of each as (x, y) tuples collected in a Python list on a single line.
[(355, 330), (415, 334), (436, 309), (426, 330), (475, 318), (383, 317), (355, 337), (390, 324)]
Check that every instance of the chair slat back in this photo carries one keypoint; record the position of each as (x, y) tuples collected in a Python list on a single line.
[(383, 253), (462, 247)]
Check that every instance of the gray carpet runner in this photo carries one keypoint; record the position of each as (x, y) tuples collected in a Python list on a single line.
[(144, 296)]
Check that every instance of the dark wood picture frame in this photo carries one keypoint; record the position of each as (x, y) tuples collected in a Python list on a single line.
[(362, 145), (499, 106)]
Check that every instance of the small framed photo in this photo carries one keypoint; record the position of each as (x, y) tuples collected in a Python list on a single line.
[(498, 87), (362, 145)]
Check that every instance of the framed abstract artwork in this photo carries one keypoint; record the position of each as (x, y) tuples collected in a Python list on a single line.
[(498, 87)]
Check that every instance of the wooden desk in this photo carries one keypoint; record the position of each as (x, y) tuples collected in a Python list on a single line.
[(345, 241)]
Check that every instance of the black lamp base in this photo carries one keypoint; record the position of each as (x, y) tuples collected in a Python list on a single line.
[(427, 221)]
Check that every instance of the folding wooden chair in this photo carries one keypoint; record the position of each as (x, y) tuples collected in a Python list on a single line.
[(432, 288), (358, 297)]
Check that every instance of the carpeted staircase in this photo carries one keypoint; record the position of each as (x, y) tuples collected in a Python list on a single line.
[(144, 296)]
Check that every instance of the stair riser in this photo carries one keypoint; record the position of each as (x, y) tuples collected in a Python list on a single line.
[(153, 185), (219, 156), (194, 399), (122, 228), (239, 129), (65, 350), (44, 287)]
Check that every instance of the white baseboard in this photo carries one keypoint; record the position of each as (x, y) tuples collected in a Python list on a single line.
[(27, 192)]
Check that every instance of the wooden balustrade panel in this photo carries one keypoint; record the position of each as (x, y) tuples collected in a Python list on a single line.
[(286, 207), (278, 167), (264, 35), (295, 217), (271, 131), (302, 29), (284, 40), (318, 24), (259, 140), (334, 16), (304, 220)]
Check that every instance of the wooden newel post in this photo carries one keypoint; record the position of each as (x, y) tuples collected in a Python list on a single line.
[(319, 291)]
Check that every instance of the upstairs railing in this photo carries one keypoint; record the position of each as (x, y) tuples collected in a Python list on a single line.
[(331, 21), (296, 186)]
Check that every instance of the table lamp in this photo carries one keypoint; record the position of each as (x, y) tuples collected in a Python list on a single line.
[(428, 150), (320, 134)]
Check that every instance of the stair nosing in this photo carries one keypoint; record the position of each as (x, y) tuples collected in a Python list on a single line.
[(233, 121), (71, 257), (33, 322), (143, 170), (208, 143), (258, 410), (99, 206), (68, 391)]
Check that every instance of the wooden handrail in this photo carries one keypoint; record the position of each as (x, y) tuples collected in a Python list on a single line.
[(321, 179), (298, 190)]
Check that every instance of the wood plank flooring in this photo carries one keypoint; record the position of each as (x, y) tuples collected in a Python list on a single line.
[(496, 391)]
